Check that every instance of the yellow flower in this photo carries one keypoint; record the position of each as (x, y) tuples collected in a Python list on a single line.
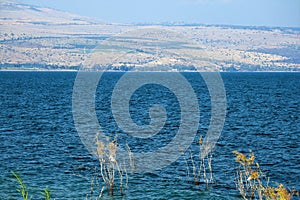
[(242, 159), (200, 140), (253, 176), (270, 193), (250, 160), (283, 193)]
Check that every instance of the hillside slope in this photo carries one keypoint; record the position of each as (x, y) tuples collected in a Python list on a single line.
[(37, 37)]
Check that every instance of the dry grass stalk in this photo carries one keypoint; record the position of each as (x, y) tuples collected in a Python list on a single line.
[(200, 170), (253, 184), (210, 167), (194, 169), (206, 163), (131, 158), (110, 169)]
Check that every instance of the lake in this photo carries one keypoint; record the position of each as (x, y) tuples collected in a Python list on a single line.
[(38, 136)]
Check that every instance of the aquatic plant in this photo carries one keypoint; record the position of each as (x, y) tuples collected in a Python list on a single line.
[(46, 193), (23, 188), (252, 183), (206, 163), (111, 171), (202, 170), (24, 191)]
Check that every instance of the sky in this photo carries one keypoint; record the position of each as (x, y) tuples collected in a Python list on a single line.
[(284, 13)]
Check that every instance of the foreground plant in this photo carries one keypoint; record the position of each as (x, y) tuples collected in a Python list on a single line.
[(24, 191), (23, 188), (46, 193), (202, 170), (252, 183), (112, 173)]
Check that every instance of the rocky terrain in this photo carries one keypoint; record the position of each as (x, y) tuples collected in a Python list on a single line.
[(32, 37)]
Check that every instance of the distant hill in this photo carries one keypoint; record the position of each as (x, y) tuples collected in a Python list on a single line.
[(16, 13), (33, 37)]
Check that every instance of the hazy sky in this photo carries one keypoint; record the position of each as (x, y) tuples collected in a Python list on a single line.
[(238, 12)]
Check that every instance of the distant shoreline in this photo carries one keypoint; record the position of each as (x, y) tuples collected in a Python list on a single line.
[(65, 70), (37, 70)]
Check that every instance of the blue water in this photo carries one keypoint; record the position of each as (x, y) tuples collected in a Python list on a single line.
[(38, 137)]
